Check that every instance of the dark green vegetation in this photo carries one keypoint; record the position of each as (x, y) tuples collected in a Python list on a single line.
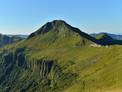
[(60, 58)]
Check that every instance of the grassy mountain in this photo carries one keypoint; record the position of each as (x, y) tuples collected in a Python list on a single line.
[(59, 58), (114, 36), (61, 30), (106, 39)]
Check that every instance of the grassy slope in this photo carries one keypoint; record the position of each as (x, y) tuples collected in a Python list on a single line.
[(98, 69), (38, 53), (60, 63), (104, 74)]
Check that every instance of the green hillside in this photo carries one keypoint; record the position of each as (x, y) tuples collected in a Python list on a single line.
[(105, 39), (60, 58)]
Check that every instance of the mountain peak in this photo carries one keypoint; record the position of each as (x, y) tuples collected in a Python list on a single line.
[(55, 24), (103, 36), (58, 22), (58, 31)]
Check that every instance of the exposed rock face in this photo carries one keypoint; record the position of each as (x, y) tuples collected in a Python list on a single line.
[(15, 67)]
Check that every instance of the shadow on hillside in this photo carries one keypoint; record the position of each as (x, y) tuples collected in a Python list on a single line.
[(111, 42)]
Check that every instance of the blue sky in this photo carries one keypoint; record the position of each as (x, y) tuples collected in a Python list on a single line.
[(25, 16)]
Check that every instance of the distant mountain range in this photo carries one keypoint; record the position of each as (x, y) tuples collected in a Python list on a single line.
[(114, 36), (8, 39), (19, 35), (108, 39)]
